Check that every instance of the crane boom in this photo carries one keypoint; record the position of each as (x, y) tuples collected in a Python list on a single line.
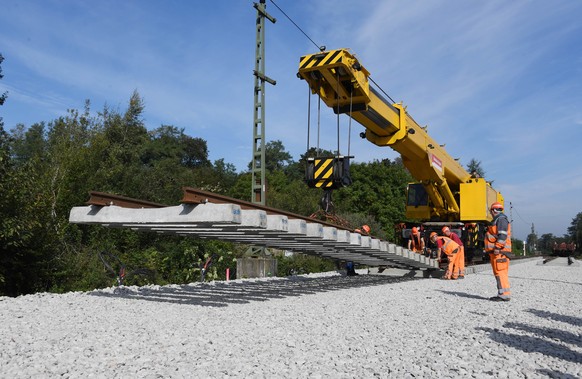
[(445, 190)]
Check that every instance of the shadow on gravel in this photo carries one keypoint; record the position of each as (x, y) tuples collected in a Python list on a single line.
[(464, 294), (576, 321), (222, 294), (539, 343), (550, 333), (556, 374)]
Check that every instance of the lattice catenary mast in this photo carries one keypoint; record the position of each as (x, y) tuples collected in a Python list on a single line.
[(258, 162)]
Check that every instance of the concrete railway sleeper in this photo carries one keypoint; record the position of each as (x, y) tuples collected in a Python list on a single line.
[(205, 215)]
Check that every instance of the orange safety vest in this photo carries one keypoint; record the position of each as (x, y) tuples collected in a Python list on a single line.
[(491, 240), (449, 247)]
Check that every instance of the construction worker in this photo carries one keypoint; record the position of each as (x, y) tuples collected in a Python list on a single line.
[(416, 243), (350, 268), (459, 268), (449, 247), (364, 230), (498, 245)]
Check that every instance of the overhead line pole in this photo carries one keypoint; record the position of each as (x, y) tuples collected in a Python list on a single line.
[(258, 163), (258, 170)]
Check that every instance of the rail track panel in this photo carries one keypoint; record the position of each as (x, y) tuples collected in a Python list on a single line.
[(208, 216)]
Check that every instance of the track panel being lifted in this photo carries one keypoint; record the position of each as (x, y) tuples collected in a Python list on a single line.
[(246, 223)]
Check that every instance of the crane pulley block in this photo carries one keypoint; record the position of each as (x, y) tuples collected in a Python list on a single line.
[(328, 172)]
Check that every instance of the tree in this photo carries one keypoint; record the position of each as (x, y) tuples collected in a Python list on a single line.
[(276, 158), (290, 194), (195, 151), (546, 242), (532, 241), (5, 171), (378, 190), (4, 95), (120, 143), (474, 167), (575, 230), (517, 246), (29, 143), (170, 160)]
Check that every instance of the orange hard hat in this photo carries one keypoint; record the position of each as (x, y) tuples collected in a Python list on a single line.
[(366, 228), (497, 206), (414, 230), (433, 234), (446, 229)]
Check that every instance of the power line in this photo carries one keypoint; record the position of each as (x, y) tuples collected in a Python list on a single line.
[(320, 47), (518, 215)]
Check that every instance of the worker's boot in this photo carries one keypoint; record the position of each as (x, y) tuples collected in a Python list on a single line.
[(499, 298)]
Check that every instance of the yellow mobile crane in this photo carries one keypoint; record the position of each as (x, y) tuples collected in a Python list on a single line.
[(445, 191)]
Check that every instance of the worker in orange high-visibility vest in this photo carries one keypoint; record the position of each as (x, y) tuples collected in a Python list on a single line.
[(459, 267), (450, 248), (498, 245), (416, 243)]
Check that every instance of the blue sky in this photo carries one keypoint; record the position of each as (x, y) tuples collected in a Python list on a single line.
[(498, 81)]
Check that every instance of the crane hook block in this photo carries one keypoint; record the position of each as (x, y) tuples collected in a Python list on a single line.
[(328, 172)]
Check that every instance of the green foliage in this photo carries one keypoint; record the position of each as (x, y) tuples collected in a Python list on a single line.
[(575, 231), (5, 94), (474, 167), (291, 195), (303, 264), (545, 243), (378, 191), (242, 187), (276, 158), (517, 246)]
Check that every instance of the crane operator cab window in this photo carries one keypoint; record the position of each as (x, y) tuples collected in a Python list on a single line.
[(417, 195)]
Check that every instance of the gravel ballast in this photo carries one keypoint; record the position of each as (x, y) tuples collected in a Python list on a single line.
[(316, 326)]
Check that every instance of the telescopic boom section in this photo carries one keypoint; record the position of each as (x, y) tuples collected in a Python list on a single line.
[(342, 83)]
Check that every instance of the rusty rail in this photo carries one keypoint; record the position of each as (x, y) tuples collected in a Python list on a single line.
[(105, 199), (197, 196)]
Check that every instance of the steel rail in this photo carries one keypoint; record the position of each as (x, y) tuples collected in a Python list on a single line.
[(197, 196), (105, 199)]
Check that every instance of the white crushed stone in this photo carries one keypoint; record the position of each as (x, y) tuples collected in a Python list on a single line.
[(310, 326)]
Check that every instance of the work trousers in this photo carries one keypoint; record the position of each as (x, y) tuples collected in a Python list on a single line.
[(500, 265), (459, 267), (453, 258)]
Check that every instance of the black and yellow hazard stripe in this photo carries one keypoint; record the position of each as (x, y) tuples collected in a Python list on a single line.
[(320, 59), (323, 173)]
